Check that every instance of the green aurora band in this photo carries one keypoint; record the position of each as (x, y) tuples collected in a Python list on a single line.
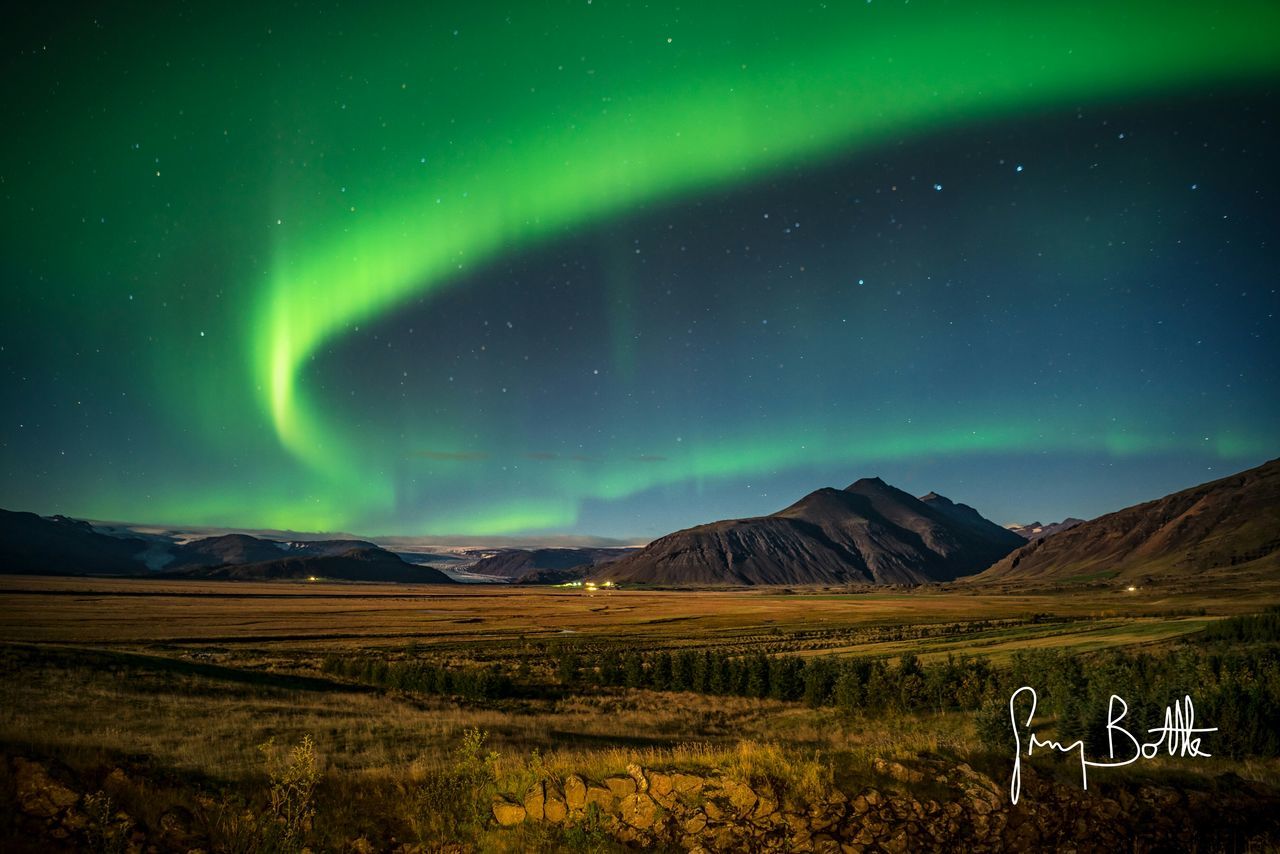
[(524, 127), (689, 112)]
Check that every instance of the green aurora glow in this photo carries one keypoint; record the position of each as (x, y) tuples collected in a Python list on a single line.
[(390, 159)]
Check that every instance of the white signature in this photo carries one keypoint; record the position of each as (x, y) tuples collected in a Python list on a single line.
[(1178, 736)]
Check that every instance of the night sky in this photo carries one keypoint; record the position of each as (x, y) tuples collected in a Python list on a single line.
[(615, 268)]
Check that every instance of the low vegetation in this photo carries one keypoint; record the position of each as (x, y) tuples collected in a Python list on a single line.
[(248, 744)]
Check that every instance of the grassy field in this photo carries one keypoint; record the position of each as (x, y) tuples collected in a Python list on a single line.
[(181, 682)]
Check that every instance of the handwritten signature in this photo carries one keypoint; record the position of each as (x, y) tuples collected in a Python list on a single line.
[(1179, 736)]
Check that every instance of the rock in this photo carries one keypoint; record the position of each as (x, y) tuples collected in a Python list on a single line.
[(555, 809), (741, 796), (898, 771), (765, 807), (639, 810), (575, 792), (38, 793), (899, 843), (535, 801), (687, 784), (621, 786), (507, 812), (715, 810), (361, 846), (660, 784), (694, 824), (635, 772), (824, 844), (600, 796), (175, 827)]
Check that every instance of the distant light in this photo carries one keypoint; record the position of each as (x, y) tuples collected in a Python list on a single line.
[(1132, 589), (312, 578), (937, 187)]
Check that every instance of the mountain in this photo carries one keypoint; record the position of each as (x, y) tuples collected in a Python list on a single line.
[(869, 533), (555, 576), (517, 563), (56, 545), (1038, 530), (1231, 523), (244, 549), (357, 564)]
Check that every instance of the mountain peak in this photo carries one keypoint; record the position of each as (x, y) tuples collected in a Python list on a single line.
[(933, 496), (866, 483)]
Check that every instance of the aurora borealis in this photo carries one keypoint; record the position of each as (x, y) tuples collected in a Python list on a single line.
[(608, 268)]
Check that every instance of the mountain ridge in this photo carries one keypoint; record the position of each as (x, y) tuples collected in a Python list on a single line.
[(868, 533)]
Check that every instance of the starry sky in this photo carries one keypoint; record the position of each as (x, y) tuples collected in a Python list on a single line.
[(616, 268)]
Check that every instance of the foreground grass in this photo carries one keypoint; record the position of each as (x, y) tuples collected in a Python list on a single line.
[(179, 687)]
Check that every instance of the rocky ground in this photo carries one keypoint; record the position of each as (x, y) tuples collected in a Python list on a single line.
[(931, 805), (967, 811)]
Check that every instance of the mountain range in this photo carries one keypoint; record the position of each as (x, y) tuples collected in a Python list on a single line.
[(868, 533), (517, 564), (1039, 530), (57, 545), (1228, 524)]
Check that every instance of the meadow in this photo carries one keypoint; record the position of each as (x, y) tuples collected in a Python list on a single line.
[(200, 706)]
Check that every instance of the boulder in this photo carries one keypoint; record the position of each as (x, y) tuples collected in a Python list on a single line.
[(507, 812), (535, 801), (600, 796), (621, 786), (742, 796), (39, 794), (555, 809), (639, 810), (575, 792), (687, 784), (635, 772)]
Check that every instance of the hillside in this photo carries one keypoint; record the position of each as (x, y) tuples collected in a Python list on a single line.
[(870, 533), (358, 564), (57, 545), (537, 563), (1231, 523)]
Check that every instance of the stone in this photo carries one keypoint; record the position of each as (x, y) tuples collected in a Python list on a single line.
[(694, 824), (660, 784), (898, 771), (621, 786), (38, 793), (507, 812), (765, 807), (639, 810), (635, 772), (600, 796), (687, 784), (824, 844), (535, 801), (555, 810), (575, 792), (899, 843), (741, 796)]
